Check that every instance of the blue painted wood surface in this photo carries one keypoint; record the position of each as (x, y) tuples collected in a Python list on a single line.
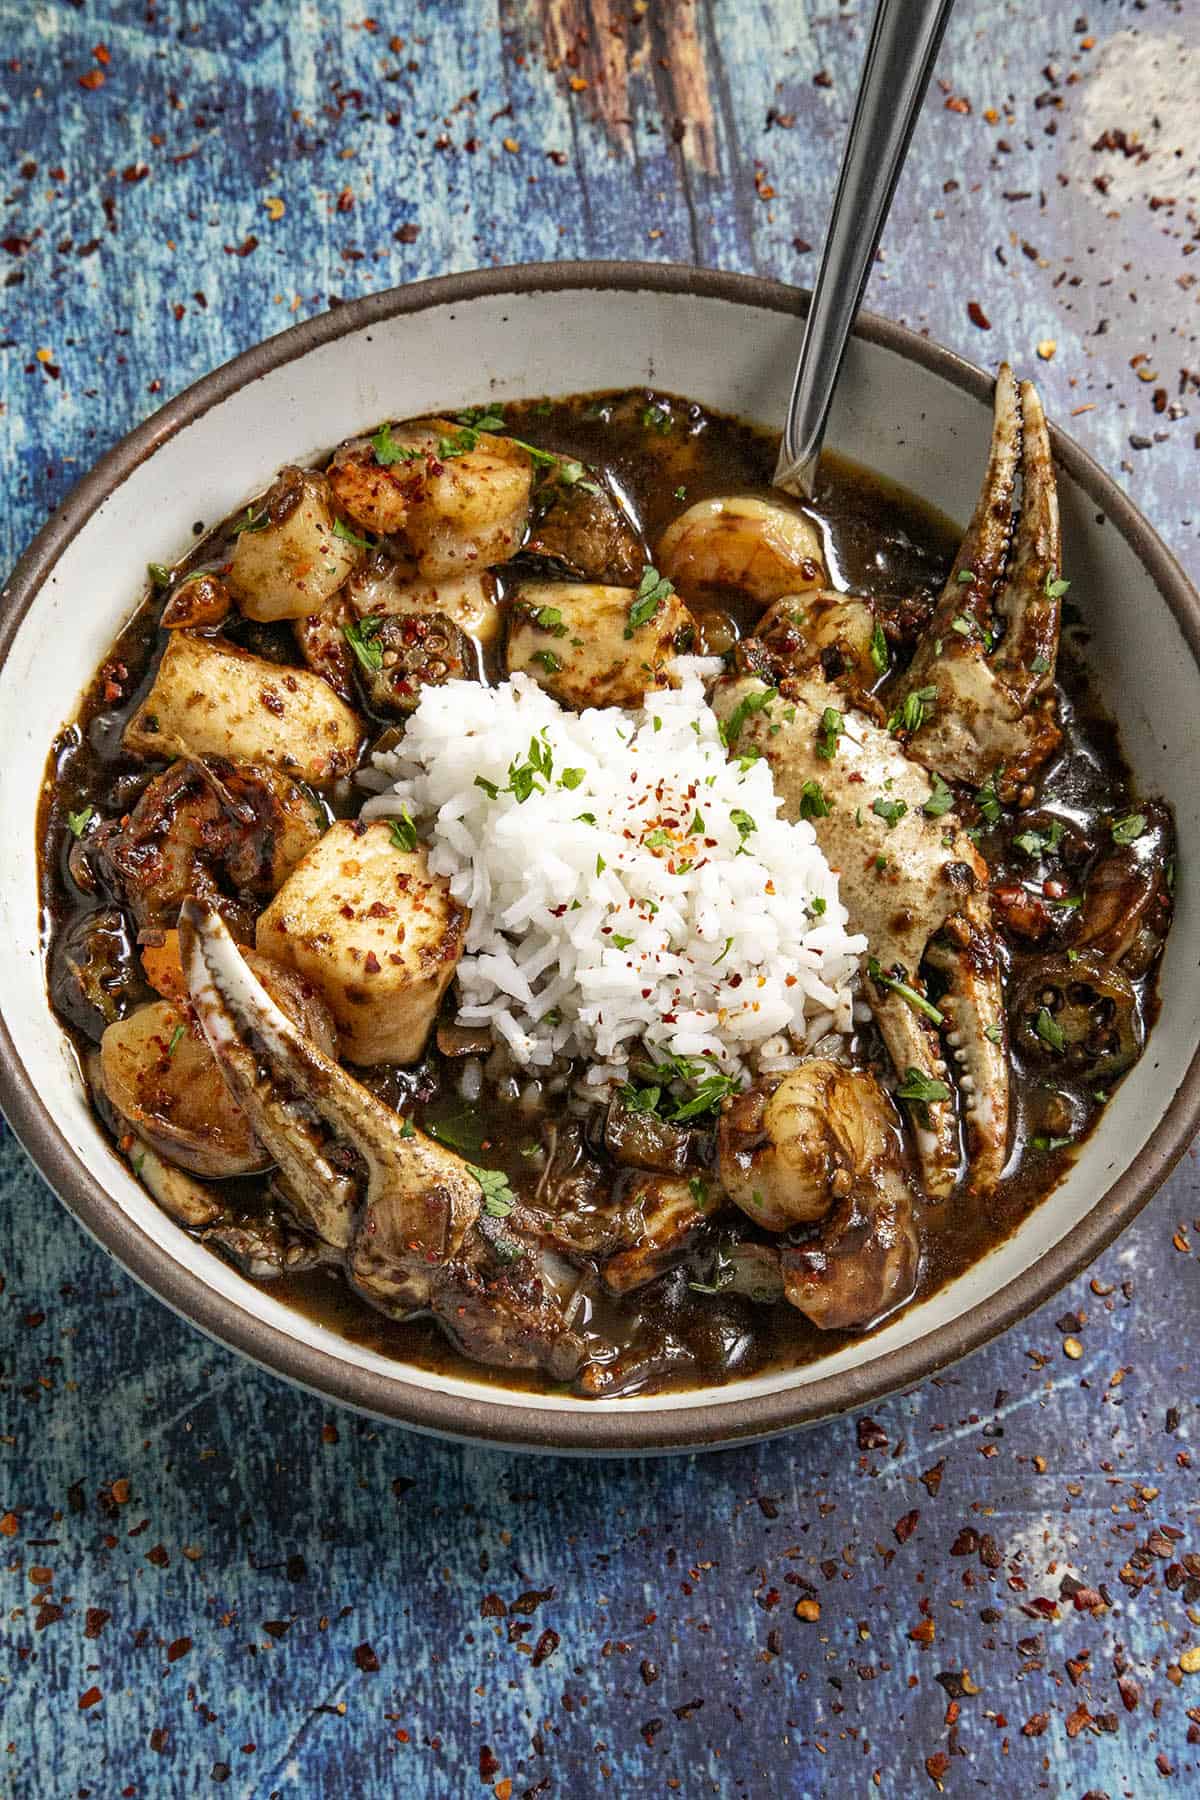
[(212, 1582)]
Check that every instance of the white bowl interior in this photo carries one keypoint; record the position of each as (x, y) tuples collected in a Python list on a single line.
[(892, 414)]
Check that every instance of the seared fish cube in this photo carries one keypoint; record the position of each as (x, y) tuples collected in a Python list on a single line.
[(594, 646), (290, 557), (375, 932), (211, 699)]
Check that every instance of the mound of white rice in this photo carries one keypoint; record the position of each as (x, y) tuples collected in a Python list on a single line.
[(631, 888)]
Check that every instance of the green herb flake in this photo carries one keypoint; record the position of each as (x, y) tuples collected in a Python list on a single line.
[(1040, 665), (940, 801), (653, 589), (1055, 587), (758, 700), (965, 576), (549, 618), (498, 1197), (923, 1088), (403, 833), (817, 906), (483, 418), (890, 811), (388, 451), (159, 574), (1042, 1142), (1128, 829), (725, 949), (571, 778), (656, 418), (343, 531), (830, 729), (362, 636), (912, 712), (916, 1000), (407, 1129), (696, 828), (77, 822), (680, 493), (176, 1038), (813, 804), (622, 943), (994, 1034), (551, 663), (987, 799), (880, 655), (1049, 1030), (744, 823), (489, 787)]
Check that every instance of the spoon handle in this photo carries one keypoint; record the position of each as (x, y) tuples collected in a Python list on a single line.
[(903, 47)]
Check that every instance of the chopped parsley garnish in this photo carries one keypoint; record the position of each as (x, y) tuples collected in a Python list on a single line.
[(483, 418), (362, 636), (987, 799), (407, 1129), (745, 824), (816, 906), (403, 834), (993, 1034), (680, 493), (253, 521), (726, 947), (813, 804), (830, 729), (176, 1036), (1128, 829), (656, 418), (657, 839), (964, 576), (890, 811), (159, 574), (1055, 587), (1042, 1142), (653, 589), (917, 1001), (77, 822), (498, 1197), (1049, 1030), (880, 657), (924, 1088), (388, 451), (489, 787), (343, 531), (622, 943), (551, 663), (1041, 843), (940, 801), (570, 778), (549, 618), (523, 777), (1040, 664), (696, 828), (758, 700), (911, 714)]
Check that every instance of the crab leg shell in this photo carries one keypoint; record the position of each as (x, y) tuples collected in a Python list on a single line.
[(429, 1196), (1025, 659), (977, 1036)]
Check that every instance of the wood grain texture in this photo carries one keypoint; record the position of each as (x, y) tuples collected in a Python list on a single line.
[(211, 1582)]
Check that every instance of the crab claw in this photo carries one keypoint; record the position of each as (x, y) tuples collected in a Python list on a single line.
[(980, 688), (402, 1212), (915, 884), (323, 1128)]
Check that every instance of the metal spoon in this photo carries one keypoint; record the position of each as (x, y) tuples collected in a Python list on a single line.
[(903, 47)]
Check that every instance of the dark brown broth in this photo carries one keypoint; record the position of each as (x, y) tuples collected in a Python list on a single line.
[(881, 542)]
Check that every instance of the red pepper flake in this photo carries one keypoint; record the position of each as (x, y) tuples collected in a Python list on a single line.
[(159, 1556), (248, 244), (904, 1528), (179, 1648), (489, 1763), (931, 1480), (366, 1659), (977, 315), (102, 54), (957, 103), (1035, 1724), (923, 1633), (545, 1647), (91, 81), (407, 234), (492, 1607), (871, 1435), (95, 1622), (88, 1698), (935, 1767)]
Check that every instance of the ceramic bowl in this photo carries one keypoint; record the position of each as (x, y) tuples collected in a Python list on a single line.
[(912, 411)]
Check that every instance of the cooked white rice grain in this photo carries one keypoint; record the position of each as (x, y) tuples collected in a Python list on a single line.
[(632, 890)]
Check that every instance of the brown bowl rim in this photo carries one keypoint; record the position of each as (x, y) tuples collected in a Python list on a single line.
[(504, 1417)]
